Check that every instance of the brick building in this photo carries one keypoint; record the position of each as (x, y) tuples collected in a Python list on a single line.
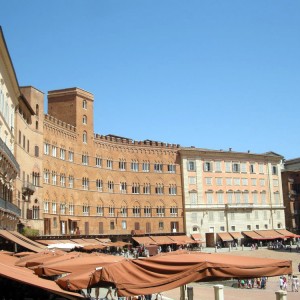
[(105, 184), (291, 194)]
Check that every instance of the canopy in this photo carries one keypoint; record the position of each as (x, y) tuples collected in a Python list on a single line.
[(26, 276), (162, 240), (24, 242), (36, 258), (225, 236), (287, 234), (144, 240), (253, 235), (166, 272), (181, 240), (197, 237), (269, 234), (77, 264), (236, 235)]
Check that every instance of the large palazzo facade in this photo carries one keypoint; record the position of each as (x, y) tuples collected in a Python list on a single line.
[(105, 185), (228, 193)]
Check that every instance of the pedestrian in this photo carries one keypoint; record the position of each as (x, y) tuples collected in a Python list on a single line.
[(97, 292), (284, 284), (281, 282), (263, 282), (299, 267), (109, 292)]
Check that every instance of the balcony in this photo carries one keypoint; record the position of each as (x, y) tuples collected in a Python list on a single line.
[(243, 206), (28, 188), (8, 154), (10, 207)]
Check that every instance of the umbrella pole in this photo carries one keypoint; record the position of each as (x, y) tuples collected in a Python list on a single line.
[(183, 293)]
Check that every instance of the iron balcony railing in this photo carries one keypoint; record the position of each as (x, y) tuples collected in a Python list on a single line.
[(10, 207), (7, 151)]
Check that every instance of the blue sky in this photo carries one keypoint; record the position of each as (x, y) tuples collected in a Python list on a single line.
[(210, 74)]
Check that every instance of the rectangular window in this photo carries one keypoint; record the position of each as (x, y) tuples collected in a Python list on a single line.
[(228, 166), (46, 206), (207, 166), (85, 210), (171, 168), (228, 181), (109, 164), (46, 149), (161, 225), (62, 180), (46, 176), (54, 151), (134, 166), (253, 181), (261, 182), (54, 208), (210, 216), (274, 170), (243, 168), (146, 166), (71, 209), (209, 198), (62, 154), (191, 165), (237, 181), (218, 166), (158, 168), (85, 159), (219, 181), (254, 198), (193, 198), (122, 165), (236, 167), (53, 178), (192, 180), (275, 182), (208, 181), (98, 162), (147, 188), (123, 187), (124, 224), (71, 181), (112, 225), (71, 156), (261, 168), (220, 197), (244, 181), (99, 210)]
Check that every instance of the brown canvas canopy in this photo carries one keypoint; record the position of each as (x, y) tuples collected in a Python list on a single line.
[(182, 240), (77, 264), (287, 234), (166, 272), (269, 234), (162, 240), (236, 235), (26, 276), (225, 236), (144, 240), (36, 258)]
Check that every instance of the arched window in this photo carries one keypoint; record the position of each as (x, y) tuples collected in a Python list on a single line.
[(37, 109), (84, 104), (84, 119)]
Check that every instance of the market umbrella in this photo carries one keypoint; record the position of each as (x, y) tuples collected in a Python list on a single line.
[(78, 264), (161, 273)]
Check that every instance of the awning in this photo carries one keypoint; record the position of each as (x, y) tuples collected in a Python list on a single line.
[(26, 276), (236, 235), (253, 235), (107, 240), (181, 239), (144, 240), (197, 237), (7, 235), (162, 240), (269, 234), (287, 234), (225, 236), (26, 239), (73, 219)]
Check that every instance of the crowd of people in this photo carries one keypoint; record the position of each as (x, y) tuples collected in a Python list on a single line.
[(259, 282)]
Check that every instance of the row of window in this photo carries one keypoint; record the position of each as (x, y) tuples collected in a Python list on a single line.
[(135, 188), (220, 216), (136, 211), (231, 166), (135, 165), (234, 181), (237, 197)]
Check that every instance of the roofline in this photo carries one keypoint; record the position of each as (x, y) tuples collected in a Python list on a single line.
[(9, 57)]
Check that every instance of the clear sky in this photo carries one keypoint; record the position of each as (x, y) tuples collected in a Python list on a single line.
[(212, 74)]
